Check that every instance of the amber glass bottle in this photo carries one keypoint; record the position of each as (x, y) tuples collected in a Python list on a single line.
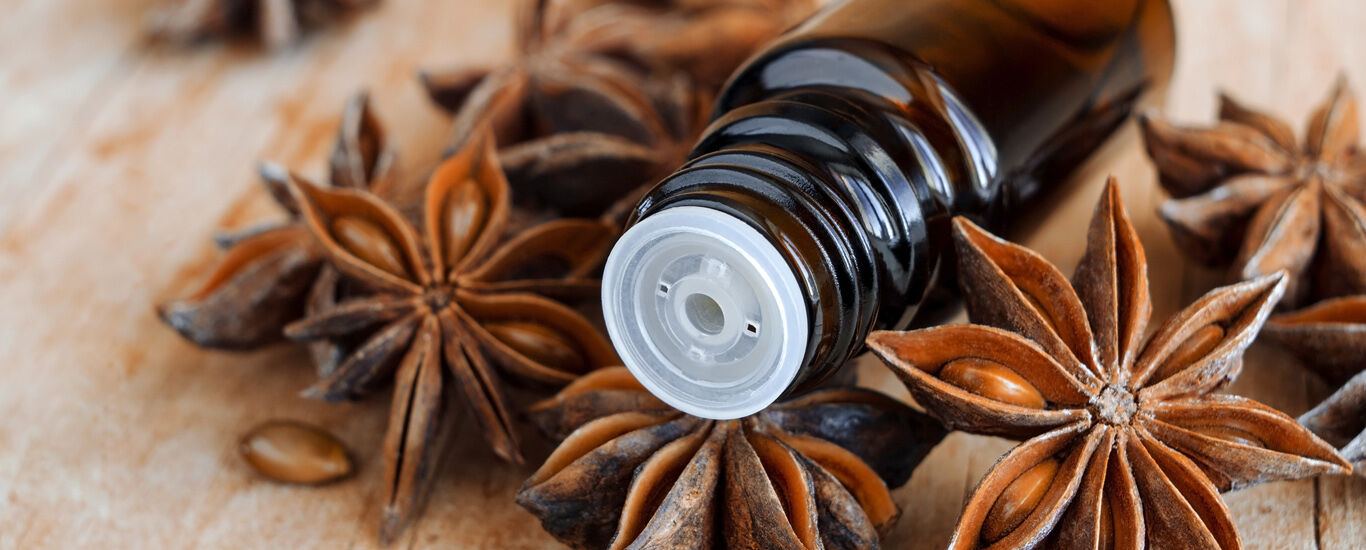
[(815, 207)]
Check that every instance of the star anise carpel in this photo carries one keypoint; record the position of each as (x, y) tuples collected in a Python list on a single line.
[(275, 23), (810, 472), (268, 270), (449, 306), (1330, 339), (1127, 443), (1341, 420), (1244, 192)]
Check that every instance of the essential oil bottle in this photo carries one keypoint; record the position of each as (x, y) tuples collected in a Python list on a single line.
[(816, 206)]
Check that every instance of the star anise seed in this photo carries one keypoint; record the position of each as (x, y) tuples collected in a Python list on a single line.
[(1130, 447), (294, 452)]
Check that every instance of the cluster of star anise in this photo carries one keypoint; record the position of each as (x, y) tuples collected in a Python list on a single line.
[(1127, 443), (1245, 193), (605, 95), (275, 23), (442, 288)]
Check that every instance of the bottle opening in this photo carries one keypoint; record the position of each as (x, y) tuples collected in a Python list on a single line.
[(705, 312)]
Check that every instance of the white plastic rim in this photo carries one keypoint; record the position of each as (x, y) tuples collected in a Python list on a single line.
[(705, 312)]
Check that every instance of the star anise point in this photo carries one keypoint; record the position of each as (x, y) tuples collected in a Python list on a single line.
[(1127, 442)]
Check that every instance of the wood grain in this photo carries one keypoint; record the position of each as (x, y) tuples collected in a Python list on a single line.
[(118, 162)]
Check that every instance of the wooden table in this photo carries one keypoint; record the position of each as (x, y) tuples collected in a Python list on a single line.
[(117, 164)]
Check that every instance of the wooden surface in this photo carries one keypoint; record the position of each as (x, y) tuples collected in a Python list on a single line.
[(117, 164)]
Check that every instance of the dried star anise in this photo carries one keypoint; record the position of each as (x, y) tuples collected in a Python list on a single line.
[(1330, 338), (1244, 186), (441, 307), (1341, 420), (275, 23), (707, 39), (1127, 443), (576, 128), (810, 472), (262, 282), (594, 105)]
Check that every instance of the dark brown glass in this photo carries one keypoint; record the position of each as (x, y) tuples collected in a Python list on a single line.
[(849, 141)]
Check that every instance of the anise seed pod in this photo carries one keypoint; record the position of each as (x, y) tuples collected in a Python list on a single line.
[(1244, 193), (1330, 338), (1341, 420), (631, 472), (275, 23), (1129, 444), (588, 112), (268, 272), (447, 308)]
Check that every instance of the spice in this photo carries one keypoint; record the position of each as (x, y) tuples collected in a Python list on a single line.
[(263, 281), (1129, 446), (445, 307), (294, 452), (1244, 192), (604, 96), (1341, 420), (810, 472), (276, 23), (1330, 338)]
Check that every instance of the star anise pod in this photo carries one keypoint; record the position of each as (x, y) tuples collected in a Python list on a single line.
[(1330, 338), (584, 114), (1341, 420), (1127, 442), (1244, 186), (275, 23), (262, 282), (707, 39), (446, 305), (810, 472)]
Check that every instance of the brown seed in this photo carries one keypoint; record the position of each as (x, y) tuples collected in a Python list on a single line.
[(540, 344), (464, 213), (368, 241), (1018, 500), (293, 452), (1193, 349), (988, 378), (1229, 434)]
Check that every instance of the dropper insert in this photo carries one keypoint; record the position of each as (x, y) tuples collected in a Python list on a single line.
[(705, 312)]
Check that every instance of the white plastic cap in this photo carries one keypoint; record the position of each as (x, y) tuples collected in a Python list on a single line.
[(705, 312)]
